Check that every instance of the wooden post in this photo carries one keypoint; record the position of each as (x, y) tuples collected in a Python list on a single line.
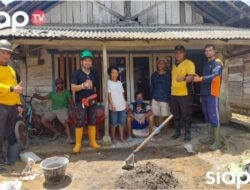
[(106, 138), (224, 106)]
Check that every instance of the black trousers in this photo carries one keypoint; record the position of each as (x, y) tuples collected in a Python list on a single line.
[(8, 115), (181, 108)]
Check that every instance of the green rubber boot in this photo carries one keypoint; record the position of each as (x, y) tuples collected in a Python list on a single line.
[(217, 143), (210, 137)]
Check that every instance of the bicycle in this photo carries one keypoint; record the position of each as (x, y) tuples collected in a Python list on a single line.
[(28, 125)]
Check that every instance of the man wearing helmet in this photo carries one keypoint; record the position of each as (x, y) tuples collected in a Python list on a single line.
[(60, 101), (10, 92), (84, 83)]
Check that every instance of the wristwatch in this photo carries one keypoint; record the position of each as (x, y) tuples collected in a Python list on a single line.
[(12, 89)]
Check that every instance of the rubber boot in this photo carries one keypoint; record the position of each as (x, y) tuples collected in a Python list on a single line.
[(217, 143), (187, 136), (92, 137), (210, 137), (78, 134), (177, 130)]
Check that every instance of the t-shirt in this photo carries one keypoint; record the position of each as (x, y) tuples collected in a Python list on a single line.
[(183, 69), (116, 90), (59, 101), (8, 79), (139, 113), (79, 77)]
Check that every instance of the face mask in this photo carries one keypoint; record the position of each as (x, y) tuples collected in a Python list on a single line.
[(139, 101)]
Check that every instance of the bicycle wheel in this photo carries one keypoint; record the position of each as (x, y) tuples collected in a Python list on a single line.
[(21, 134)]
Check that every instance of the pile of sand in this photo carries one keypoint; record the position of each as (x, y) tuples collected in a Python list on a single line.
[(148, 176)]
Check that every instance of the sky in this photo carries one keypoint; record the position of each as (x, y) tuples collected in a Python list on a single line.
[(8, 1)]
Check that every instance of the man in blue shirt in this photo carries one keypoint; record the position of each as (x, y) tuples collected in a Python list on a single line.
[(84, 84), (210, 91), (161, 91)]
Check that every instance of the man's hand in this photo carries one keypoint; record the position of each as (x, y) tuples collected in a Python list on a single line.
[(18, 88), (142, 120), (197, 78), (180, 78), (113, 107), (89, 84)]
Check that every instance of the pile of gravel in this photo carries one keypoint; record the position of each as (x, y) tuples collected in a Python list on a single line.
[(148, 176)]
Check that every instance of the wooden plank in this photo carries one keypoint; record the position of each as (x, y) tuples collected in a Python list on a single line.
[(168, 12), (238, 9), (147, 7), (64, 11), (188, 14), (152, 14), (76, 12), (90, 12), (235, 77), (175, 12), (198, 18), (56, 11), (182, 13), (235, 89), (162, 13), (84, 12), (236, 62), (208, 17), (117, 6), (236, 69), (107, 15), (97, 13), (136, 7), (48, 17), (144, 17), (69, 11)]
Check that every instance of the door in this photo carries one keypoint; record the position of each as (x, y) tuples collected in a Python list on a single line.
[(140, 70)]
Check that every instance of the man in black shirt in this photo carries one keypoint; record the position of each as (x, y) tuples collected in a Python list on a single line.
[(84, 83)]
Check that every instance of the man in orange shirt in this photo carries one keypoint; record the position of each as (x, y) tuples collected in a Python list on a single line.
[(210, 92)]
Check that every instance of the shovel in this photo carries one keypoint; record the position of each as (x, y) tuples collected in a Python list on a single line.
[(130, 162)]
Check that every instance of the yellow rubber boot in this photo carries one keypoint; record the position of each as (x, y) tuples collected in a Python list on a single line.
[(77, 148), (92, 137)]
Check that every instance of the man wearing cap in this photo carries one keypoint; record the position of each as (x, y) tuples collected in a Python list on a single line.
[(210, 92), (181, 100), (84, 83), (10, 92), (60, 99), (161, 91)]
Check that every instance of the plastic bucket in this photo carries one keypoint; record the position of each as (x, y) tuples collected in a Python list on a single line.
[(54, 169), (13, 152)]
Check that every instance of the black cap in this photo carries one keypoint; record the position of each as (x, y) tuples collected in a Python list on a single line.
[(180, 48)]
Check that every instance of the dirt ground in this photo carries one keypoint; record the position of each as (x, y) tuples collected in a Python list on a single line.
[(101, 169)]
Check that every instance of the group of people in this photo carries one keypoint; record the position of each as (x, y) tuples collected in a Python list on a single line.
[(171, 93)]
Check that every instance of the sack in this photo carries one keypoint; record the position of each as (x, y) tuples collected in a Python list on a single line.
[(89, 101)]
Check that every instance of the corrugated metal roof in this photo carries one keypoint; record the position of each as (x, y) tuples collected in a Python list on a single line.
[(136, 32)]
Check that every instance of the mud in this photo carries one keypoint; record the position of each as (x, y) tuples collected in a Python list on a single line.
[(147, 176)]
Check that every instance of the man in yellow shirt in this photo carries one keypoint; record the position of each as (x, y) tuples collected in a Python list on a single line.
[(183, 72), (9, 98)]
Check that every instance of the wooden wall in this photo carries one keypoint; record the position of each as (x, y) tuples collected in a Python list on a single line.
[(239, 83), (90, 12)]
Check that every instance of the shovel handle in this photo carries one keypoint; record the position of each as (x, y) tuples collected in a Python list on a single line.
[(153, 133)]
